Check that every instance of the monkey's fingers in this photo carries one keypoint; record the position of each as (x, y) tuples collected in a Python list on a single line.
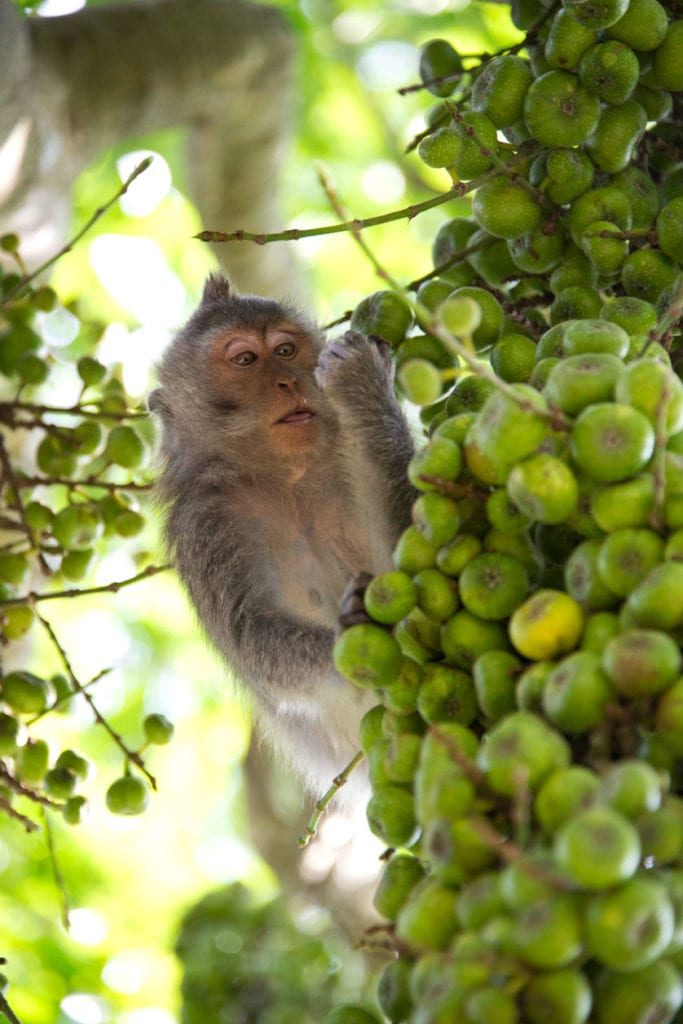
[(352, 608)]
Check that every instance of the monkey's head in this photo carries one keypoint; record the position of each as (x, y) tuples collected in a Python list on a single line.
[(238, 382)]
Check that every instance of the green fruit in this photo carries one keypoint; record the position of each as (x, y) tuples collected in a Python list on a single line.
[(128, 795), (440, 148), (426, 920), (439, 458), (367, 655), (643, 25), (647, 273), (490, 326), (75, 810), (613, 142), (75, 564), (578, 381), (54, 457), (570, 174), (670, 228), (438, 60), (505, 209), (77, 527), (86, 437), (548, 934), (605, 203), (564, 794), (9, 732), (393, 990), (596, 13), (539, 250), (623, 505), (504, 515), (567, 41), (430, 294), (59, 783), (414, 552), (654, 993), (128, 523), (641, 192), (635, 315), (509, 428), (492, 585), (582, 578), (479, 140), (465, 636), (437, 517), (157, 729), (437, 594), (657, 601), (400, 876), (25, 693), (389, 597), (604, 248), (628, 928), (468, 396), (454, 556), (576, 693), (446, 695), (626, 557), (500, 89), (669, 59), (495, 675), (669, 717), (543, 488), (31, 761), (558, 111), (520, 752), (16, 621), (631, 787), (575, 302), (451, 238), (124, 447), (13, 568), (563, 996), (598, 335), (611, 442), (37, 516), (91, 371), (610, 70), (597, 848)]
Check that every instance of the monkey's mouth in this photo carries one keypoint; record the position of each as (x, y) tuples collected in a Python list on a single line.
[(297, 416)]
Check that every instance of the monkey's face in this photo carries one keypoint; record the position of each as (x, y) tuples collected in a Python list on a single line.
[(264, 376)]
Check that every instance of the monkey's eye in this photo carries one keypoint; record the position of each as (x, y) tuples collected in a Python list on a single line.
[(285, 350), (245, 358)]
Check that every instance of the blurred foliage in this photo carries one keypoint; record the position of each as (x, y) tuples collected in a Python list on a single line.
[(120, 293), (253, 962)]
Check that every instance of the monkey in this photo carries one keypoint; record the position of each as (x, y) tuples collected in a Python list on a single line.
[(283, 475)]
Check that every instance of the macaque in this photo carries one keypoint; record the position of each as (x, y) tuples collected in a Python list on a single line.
[(284, 476)]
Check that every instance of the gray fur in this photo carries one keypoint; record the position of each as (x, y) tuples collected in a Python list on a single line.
[(266, 559)]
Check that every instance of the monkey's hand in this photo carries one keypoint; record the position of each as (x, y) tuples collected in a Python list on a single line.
[(356, 370)]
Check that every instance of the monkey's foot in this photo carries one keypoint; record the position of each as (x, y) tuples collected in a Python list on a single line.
[(352, 608)]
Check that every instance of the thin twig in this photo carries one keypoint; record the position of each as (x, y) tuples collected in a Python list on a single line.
[(323, 803), (59, 878), (130, 755), (9, 475), (33, 597), (21, 285), (28, 823), (7, 1011), (92, 481)]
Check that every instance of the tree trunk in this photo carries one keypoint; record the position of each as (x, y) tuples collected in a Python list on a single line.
[(72, 86)]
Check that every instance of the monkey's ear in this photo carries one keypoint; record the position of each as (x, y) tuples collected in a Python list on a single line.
[(217, 287), (156, 404)]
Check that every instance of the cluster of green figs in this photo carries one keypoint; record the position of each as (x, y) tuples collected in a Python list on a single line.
[(526, 750)]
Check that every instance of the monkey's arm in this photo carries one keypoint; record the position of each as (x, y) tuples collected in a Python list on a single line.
[(235, 590), (357, 374)]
